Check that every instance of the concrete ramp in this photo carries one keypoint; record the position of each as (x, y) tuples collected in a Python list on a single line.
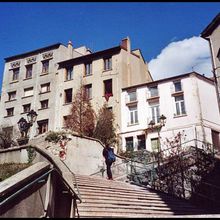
[(110, 198)]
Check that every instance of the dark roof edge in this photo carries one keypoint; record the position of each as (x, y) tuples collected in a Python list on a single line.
[(92, 55), (50, 47), (209, 29), (170, 79)]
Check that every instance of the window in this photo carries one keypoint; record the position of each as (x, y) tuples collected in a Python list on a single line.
[(26, 108), (45, 66), (45, 87), (42, 126), (132, 96), (180, 105), (153, 91), (108, 63), (177, 86), (155, 113), (155, 144), (88, 91), (69, 73), (29, 71), (44, 104), (108, 87), (65, 118), (15, 74), (133, 115), (141, 142), (28, 92), (10, 111), (129, 144), (11, 96), (88, 69), (68, 96)]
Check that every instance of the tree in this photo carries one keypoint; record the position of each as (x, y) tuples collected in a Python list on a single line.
[(6, 138), (105, 130), (82, 115)]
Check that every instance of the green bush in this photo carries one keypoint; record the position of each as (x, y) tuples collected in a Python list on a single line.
[(55, 137)]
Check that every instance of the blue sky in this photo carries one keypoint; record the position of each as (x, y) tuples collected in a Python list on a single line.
[(158, 29)]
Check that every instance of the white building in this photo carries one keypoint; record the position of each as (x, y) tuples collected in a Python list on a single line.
[(188, 102)]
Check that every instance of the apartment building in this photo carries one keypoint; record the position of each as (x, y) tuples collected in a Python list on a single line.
[(188, 102), (29, 82), (46, 80), (103, 74), (212, 34)]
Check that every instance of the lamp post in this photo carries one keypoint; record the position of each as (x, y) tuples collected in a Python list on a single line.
[(24, 126), (158, 127)]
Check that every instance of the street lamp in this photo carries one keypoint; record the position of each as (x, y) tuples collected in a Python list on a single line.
[(25, 125), (158, 127)]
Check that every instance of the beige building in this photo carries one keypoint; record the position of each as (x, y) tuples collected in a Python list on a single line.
[(212, 34), (29, 82), (46, 80)]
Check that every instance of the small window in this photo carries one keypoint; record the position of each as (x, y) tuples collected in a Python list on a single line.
[(69, 73), (155, 112), (177, 86), (153, 91), (180, 105), (155, 144), (26, 108), (28, 92), (45, 66), (29, 71), (10, 111), (88, 91), (88, 69), (132, 96), (141, 142), (108, 87), (65, 118), (108, 63), (11, 96), (44, 104), (42, 126), (133, 115), (15, 74), (68, 96), (129, 144), (45, 87)]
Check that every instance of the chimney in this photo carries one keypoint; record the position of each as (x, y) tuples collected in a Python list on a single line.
[(70, 49), (126, 44)]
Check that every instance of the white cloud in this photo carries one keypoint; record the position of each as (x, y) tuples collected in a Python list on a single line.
[(182, 57)]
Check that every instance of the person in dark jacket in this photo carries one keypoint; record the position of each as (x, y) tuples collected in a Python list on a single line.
[(107, 161)]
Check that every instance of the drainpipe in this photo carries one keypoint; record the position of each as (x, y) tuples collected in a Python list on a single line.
[(200, 111)]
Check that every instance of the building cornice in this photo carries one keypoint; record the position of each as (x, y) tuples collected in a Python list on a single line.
[(90, 57), (33, 52), (173, 78), (211, 27)]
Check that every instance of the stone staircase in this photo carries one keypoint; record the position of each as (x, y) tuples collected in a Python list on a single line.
[(111, 198)]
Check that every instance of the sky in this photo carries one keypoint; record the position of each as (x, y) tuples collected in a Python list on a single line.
[(168, 33)]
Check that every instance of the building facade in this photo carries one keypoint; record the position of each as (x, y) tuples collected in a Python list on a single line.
[(212, 34), (29, 82), (103, 74), (188, 102), (46, 80)]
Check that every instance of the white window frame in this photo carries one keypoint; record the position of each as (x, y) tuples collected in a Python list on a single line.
[(155, 112), (133, 115), (180, 106)]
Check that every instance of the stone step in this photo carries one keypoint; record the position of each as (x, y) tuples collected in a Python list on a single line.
[(144, 206), (105, 198)]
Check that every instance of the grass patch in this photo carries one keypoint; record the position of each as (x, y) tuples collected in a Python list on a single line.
[(9, 169)]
